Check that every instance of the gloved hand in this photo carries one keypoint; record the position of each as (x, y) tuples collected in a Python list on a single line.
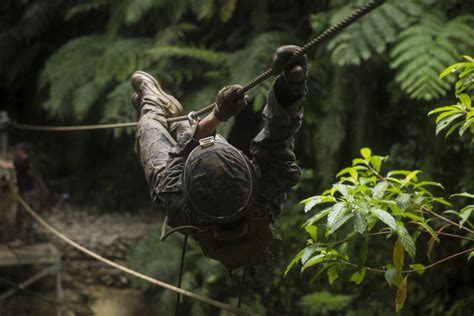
[(291, 82), (229, 102), (296, 70)]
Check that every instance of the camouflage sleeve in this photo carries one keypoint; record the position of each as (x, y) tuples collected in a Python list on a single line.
[(272, 151)]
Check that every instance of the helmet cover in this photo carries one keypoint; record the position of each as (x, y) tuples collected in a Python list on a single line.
[(218, 180)]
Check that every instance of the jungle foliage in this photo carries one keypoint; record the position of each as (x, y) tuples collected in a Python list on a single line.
[(68, 62)]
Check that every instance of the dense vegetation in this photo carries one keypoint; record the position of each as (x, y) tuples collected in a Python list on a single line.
[(65, 62)]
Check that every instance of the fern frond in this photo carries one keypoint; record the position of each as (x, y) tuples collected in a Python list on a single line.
[(227, 9), (71, 67), (204, 9), (85, 97), (137, 9), (174, 34), (118, 108), (85, 7), (372, 34), (423, 50), (199, 54), (121, 58)]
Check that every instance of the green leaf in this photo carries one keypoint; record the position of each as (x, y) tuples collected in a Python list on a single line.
[(467, 124), (311, 202), (443, 109), (452, 129), (379, 189), (466, 214), (343, 189), (366, 153), (418, 268), (313, 261), (445, 122), (464, 194), (471, 255), (411, 175), (451, 69), (294, 261), (446, 114), (427, 228), (376, 162), (332, 274), (390, 275), (429, 183), (351, 171), (312, 231), (308, 252), (360, 223), (401, 295), (465, 100), (430, 247), (398, 256), (339, 222), (318, 216), (385, 217), (358, 276), (407, 241), (337, 211)]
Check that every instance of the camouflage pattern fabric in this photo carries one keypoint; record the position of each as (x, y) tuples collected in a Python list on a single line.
[(163, 150)]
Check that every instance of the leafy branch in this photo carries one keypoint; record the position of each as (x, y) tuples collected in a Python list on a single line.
[(459, 116), (363, 199)]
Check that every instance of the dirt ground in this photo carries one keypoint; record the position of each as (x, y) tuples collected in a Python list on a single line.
[(90, 288)]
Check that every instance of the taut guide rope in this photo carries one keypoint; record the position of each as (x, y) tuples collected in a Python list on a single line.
[(328, 33), (139, 275)]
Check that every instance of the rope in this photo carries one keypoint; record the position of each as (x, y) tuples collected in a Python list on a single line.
[(71, 128), (139, 275), (330, 32)]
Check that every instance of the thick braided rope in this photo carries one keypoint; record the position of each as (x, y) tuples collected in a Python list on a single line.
[(117, 266)]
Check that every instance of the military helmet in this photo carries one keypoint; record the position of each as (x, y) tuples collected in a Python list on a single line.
[(218, 181)]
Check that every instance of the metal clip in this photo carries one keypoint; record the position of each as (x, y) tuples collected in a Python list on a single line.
[(206, 142), (191, 119)]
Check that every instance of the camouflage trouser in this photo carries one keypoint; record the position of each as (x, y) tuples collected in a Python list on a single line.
[(153, 144)]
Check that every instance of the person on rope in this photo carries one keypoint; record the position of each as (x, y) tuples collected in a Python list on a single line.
[(222, 198)]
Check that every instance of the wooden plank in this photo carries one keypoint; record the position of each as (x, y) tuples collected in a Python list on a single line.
[(29, 254)]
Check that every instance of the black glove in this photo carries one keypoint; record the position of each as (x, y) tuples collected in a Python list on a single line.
[(290, 85), (229, 102)]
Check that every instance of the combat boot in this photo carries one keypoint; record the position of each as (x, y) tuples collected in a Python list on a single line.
[(149, 91)]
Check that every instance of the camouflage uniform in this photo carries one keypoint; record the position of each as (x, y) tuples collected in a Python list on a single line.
[(163, 149)]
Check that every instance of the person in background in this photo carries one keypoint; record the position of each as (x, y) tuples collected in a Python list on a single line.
[(25, 184)]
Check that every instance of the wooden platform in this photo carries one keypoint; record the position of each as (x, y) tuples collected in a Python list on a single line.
[(29, 255)]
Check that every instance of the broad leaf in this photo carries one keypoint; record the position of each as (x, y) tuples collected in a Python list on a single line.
[(398, 256), (385, 217), (358, 276)]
